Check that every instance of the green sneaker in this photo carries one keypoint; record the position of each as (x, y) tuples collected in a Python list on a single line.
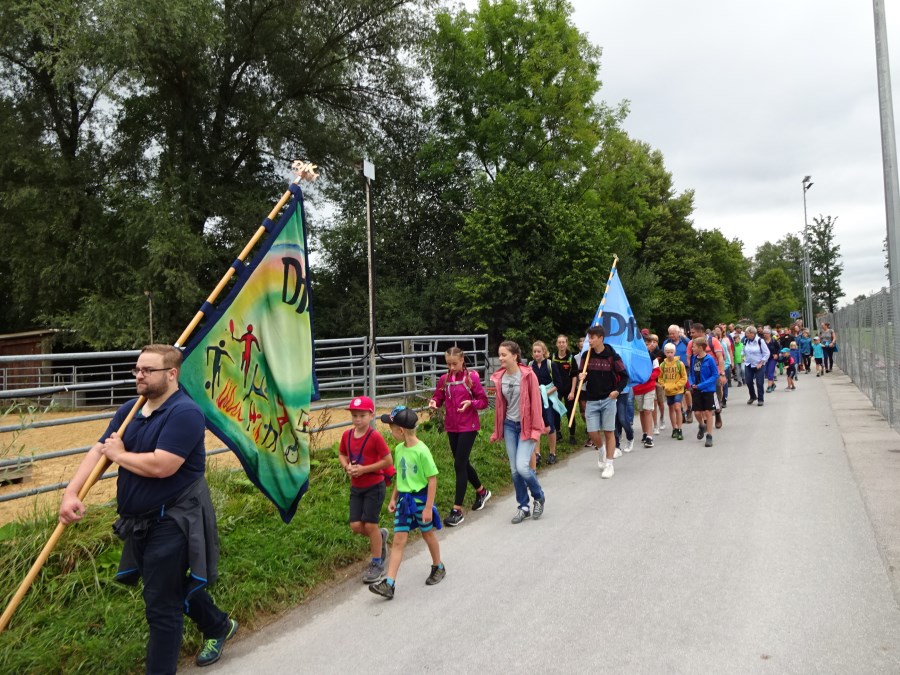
[(213, 648)]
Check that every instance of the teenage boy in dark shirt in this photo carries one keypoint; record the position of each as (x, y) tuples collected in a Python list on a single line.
[(604, 380)]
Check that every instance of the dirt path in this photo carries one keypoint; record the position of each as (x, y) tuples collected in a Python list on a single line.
[(51, 471)]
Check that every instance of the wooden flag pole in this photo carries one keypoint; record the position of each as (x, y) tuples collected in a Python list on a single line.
[(587, 356), (303, 171)]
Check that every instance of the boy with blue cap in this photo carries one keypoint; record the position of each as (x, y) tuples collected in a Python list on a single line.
[(412, 501)]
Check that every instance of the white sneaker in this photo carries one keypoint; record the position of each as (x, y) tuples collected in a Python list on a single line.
[(617, 453), (628, 446), (656, 431), (662, 427), (601, 459), (608, 471)]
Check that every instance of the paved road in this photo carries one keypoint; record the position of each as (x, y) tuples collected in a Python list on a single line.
[(756, 556)]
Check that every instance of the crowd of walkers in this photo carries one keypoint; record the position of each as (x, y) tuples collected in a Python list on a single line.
[(692, 376)]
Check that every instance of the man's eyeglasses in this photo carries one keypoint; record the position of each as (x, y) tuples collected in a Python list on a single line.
[(146, 371)]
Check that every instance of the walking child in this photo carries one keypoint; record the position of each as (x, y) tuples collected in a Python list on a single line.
[(565, 374), (604, 381), (459, 390), (518, 421), (704, 374), (365, 457), (818, 353), (673, 377), (793, 369), (805, 343), (543, 369), (412, 501)]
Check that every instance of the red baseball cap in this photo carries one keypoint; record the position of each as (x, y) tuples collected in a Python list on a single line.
[(645, 332), (362, 403)]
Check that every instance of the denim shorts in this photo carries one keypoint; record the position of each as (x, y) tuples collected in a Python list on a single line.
[(601, 415), (672, 400)]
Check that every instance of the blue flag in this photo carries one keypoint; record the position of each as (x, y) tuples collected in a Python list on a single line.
[(622, 332)]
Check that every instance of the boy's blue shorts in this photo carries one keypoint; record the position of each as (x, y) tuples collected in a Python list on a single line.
[(404, 522), (672, 400)]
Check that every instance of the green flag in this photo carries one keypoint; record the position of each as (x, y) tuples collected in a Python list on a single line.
[(251, 367)]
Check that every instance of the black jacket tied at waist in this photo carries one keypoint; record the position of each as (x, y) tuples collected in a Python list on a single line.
[(193, 512)]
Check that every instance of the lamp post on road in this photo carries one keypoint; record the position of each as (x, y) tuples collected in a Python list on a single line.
[(807, 276)]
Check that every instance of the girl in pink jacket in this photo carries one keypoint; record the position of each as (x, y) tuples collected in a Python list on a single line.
[(519, 422), (460, 392)]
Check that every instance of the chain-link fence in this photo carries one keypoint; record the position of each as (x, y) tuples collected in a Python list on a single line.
[(867, 349)]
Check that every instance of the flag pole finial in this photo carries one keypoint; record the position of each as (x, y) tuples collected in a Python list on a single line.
[(304, 170)]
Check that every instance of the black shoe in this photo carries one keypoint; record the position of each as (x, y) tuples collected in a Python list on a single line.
[(680, 436), (454, 518), (759, 403), (700, 431), (481, 499), (438, 572), (648, 441), (384, 589), (740, 384), (213, 648), (725, 403), (718, 420), (551, 459), (558, 436), (537, 460), (708, 443), (751, 401), (572, 441)]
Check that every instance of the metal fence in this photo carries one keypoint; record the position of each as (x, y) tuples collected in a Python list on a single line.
[(407, 367), (868, 349)]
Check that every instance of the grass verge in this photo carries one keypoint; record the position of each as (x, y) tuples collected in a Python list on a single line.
[(77, 619)]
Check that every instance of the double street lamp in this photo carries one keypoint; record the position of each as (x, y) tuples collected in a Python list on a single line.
[(807, 277)]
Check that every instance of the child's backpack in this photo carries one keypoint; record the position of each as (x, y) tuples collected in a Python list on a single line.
[(466, 382)]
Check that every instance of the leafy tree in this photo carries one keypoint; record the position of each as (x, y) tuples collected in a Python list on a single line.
[(202, 104), (531, 259), (731, 268), (786, 254), (417, 206), (825, 263), (773, 298), (515, 85)]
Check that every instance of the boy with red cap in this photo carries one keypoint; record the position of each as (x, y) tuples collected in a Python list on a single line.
[(365, 457)]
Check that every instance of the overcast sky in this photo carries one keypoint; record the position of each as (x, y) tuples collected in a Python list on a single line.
[(746, 98)]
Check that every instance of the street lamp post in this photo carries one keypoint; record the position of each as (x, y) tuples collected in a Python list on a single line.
[(807, 275), (368, 172)]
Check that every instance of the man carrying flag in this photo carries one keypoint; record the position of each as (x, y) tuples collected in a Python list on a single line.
[(166, 518)]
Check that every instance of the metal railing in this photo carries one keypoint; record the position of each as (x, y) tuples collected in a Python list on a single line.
[(868, 349), (407, 367)]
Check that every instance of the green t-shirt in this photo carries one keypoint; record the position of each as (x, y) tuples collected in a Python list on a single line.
[(414, 465)]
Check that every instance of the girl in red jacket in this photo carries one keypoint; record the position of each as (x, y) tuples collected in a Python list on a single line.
[(460, 392), (519, 422)]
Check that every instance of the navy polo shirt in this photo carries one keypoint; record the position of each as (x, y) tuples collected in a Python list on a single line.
[(177, 426)]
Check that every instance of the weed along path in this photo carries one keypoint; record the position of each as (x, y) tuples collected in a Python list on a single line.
[(755, 556)]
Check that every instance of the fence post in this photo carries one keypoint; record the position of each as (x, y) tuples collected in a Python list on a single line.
[(409, 367)]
